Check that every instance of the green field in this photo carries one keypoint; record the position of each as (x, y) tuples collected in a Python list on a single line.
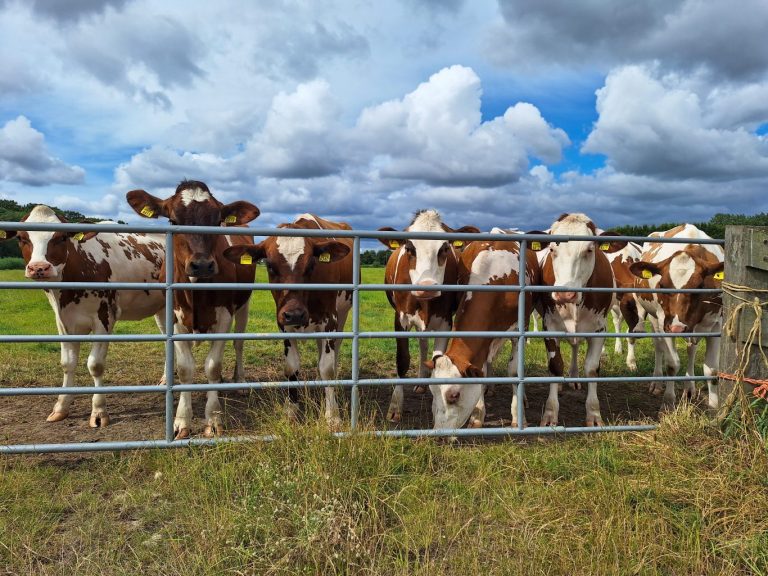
[(680, 500)]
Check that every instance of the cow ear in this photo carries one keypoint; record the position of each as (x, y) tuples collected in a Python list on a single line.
[(473, 371), (144, 204), (245, 254), (391, 243), (329, 250), (605, 244), (239, 212), (464, 230), (537, 245), (716, 271), (645, 270)]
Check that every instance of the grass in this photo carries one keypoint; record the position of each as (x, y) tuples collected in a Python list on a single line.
[(679, 500)]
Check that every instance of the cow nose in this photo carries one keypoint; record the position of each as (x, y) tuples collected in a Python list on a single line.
[(677, 328), (38, 269), (426, 294), (201, 268), (453, 395), (564, 297), (295, 317)]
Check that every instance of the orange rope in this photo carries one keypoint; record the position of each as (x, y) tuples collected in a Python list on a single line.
[(761, 386)]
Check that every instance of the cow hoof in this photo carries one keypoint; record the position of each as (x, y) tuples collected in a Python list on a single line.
[(514, 424), (418, 389), (211, 431), (548, 421), (334, 423), (632, 366), (99, 420), (393, 415), (56, 416), (594, 422), (576, 385), (655, 389), (182, 433), (475, 423)]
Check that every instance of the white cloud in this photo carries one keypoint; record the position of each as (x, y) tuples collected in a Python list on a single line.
[(105, 207), (24, 157)]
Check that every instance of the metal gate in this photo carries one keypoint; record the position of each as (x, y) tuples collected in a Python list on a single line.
[(355, 335)]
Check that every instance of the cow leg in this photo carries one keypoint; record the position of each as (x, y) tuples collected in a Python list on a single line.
[(70, 352), (403, 361), (615, 316), (160, 321), (711, 363), (214, 416), (477, 417), (96, 359), (689, 387), (555, 364), (512, 372), (592, 370), (671, 368), (291, 371), (631, 315), (656, 386), (326, 364), (574, 370), (423, 370), (185, 367), (241, 321)]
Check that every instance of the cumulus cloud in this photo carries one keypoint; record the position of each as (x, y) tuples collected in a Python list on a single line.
[(683, 34), (670, 127), (24, 157), (104, 207)]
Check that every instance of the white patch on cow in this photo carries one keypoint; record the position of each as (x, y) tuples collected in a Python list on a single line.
[(414, 320), (427, 269), (291, 248), (41, 239), (573, 262), (397, 262), (490, 265), (445, 415), (681, 268), (194, 195)]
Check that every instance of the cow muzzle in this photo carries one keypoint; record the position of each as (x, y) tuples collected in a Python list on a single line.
[(677, 328), (40, 271), (426, 294), (201, 268), (297, 317), (565, 297)]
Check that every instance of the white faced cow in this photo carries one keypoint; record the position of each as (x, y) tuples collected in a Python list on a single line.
[(199, 258), (91, 257), (421, 263), (576, 265), (667, 265), (494, 263), (296, 260)]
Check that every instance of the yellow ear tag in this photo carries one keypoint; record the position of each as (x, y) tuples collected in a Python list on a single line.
[(147, 211), (605, 246), (324, 257), (458, 243), (231, 219), (2, 234), (394, 244), (647, 274), (719, 275), (246, 259), (79, 236), (535, 245)]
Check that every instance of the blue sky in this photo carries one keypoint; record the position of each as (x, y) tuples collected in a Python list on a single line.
[(495, 112)]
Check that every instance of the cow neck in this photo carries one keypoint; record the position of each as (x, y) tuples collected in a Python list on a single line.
[(472, 350)]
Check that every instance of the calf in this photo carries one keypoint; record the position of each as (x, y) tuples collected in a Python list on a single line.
[(576, 265), (421, 263), (198, 258), (296, 260), (667, 265), (494, 263), (88, 257)]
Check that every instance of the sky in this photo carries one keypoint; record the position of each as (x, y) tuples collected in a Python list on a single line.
[(496, 113)]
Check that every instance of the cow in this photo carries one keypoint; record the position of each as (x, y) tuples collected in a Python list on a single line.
[(575, 265), (624, 305), (198, 258), (421, 263), (296, 260), (91, 257), (482, 263), (686, 265)]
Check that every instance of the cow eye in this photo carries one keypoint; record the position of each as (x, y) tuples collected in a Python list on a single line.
[(410, 248)]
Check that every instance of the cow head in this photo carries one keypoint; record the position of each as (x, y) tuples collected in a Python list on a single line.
[(426, 259), (193, 205), (453, 403), (684, 269), (45, 253), (573, 263), (290, 260)]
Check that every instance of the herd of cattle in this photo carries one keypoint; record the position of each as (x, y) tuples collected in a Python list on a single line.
[(603, 263)]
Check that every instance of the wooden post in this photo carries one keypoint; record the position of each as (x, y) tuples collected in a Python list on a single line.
[(746, 264)]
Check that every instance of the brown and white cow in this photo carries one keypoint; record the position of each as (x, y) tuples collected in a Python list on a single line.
[(624, 305), (483, 262), (91, 257), (576, 264), (421, 263), (297, 260), (198, 258), (668, 265)]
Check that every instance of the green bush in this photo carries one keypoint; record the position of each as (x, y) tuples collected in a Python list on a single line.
[(11, 263)]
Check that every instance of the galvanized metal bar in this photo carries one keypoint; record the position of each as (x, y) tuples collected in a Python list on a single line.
[(355, 401), (170, 352), (522, 326)]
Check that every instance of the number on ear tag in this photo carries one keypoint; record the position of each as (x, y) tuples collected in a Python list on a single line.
[(246, 259), (79, 236), (458, 243), (647, 274), (147, 211), (394, 244), (535, 245), (324, 257), (719, 275), (231, 219), (605, 246)]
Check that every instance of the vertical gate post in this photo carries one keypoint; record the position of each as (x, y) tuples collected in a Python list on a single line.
[(746, 265)]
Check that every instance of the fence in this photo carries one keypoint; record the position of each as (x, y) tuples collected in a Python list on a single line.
[(355, 335)]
